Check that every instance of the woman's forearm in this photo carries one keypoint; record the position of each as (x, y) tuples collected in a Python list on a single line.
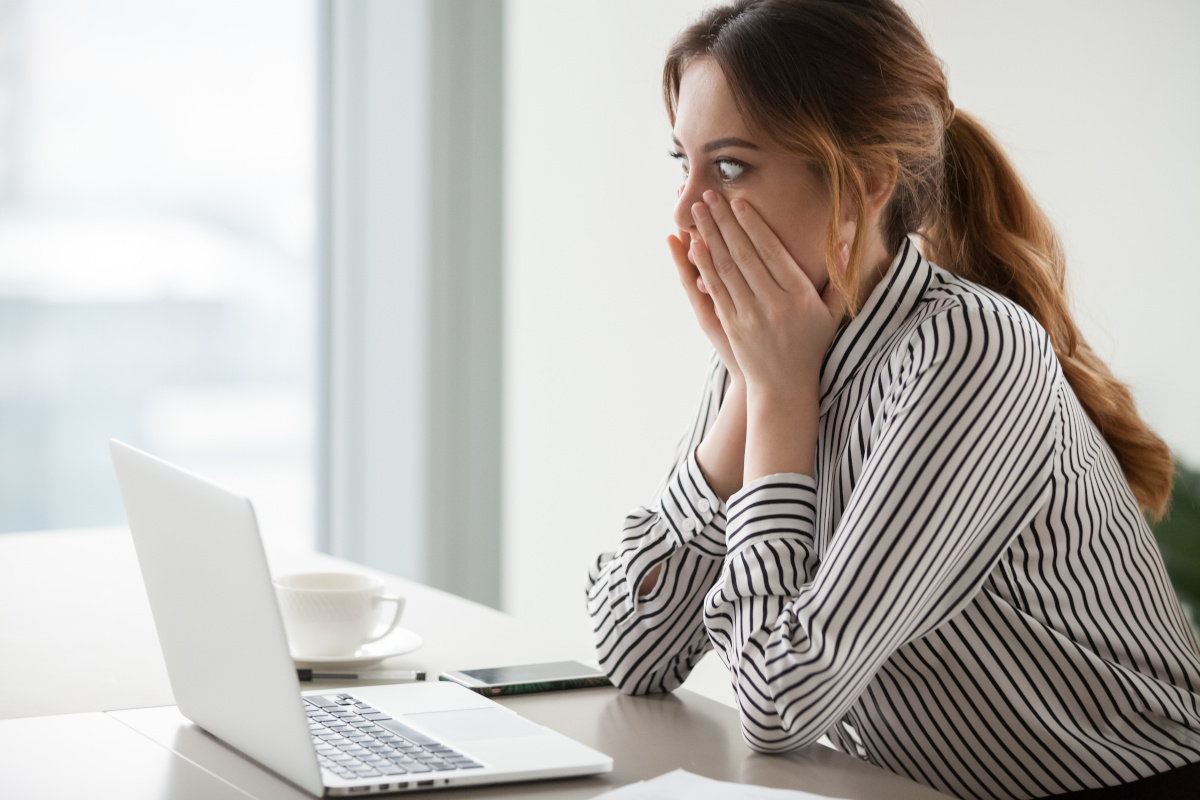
[(722, 454), (781, 434)]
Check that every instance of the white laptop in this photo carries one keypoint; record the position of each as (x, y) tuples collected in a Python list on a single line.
[(232, 674)]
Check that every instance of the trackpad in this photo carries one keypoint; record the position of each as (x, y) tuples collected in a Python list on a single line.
[(474, 724)]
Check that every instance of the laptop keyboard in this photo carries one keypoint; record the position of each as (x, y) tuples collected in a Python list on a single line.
[(354, 740)]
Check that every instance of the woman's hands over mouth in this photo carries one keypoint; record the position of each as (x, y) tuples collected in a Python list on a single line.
[(779, 326), (775, 324)]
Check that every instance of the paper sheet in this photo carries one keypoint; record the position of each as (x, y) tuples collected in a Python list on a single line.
[(684, 785)]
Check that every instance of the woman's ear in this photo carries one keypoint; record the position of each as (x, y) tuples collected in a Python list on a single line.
[(880, 185), (878, 188)]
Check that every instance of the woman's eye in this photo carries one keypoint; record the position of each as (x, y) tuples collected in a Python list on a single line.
[(730, 170), (682, 159)]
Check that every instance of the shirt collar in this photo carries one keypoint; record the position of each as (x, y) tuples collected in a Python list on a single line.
[(890, 303)]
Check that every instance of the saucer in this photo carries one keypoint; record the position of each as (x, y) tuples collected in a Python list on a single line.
[(396, 643)]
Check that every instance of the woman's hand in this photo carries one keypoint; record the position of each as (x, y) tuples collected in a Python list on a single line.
[(778, 325), (721, 455), (702, 304)]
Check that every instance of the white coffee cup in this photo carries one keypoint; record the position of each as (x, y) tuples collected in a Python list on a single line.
[(333, 613)]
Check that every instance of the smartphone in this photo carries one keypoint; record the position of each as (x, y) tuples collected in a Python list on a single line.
[(528, 678)]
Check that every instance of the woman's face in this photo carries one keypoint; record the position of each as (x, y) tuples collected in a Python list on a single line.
[(719, 151)]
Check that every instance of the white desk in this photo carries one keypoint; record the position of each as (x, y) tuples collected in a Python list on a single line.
[(77, 639)]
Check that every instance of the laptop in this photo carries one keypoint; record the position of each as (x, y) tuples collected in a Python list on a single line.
[(227, 656)]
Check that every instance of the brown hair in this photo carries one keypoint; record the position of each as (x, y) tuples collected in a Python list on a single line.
[(853, 85)]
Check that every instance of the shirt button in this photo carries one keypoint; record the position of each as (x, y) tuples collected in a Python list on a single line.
[(689, 525), (703, 506)]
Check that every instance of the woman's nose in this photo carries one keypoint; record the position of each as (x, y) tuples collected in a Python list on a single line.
[(689, 194)]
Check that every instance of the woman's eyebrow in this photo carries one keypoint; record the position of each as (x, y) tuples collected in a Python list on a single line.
[(717, 144), (729, 141)]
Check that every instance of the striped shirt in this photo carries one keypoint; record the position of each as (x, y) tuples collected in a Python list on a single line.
[(965, 593)]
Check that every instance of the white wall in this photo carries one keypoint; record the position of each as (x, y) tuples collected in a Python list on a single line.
[(1098, 102), (603, 358)]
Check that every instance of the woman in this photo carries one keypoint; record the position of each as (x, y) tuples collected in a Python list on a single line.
[(906, 513)]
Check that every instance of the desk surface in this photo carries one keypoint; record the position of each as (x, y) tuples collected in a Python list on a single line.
[(78, 638)]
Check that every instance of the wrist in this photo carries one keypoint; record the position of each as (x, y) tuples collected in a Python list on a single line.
[(781, 433), (768, 398)]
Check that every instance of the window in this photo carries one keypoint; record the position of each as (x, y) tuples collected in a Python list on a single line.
[(157, 215)]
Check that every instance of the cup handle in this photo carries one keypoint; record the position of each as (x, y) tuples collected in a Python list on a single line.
[(399, 601)]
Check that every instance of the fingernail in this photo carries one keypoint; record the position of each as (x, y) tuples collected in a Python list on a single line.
[(699, 211), (710, 197), (739, 207)]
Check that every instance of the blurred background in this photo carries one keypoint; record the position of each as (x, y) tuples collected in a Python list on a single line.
[(396, 269), (157, 262)]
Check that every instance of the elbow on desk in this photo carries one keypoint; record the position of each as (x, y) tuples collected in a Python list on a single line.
[(770, 736), (775, 747), (768, 728), (640, 685), (632, 681)]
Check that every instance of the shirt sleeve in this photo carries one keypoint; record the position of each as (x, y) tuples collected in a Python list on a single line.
[(958, 461), (651, 643)]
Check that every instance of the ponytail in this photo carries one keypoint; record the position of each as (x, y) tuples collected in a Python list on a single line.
[(992, 232)]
